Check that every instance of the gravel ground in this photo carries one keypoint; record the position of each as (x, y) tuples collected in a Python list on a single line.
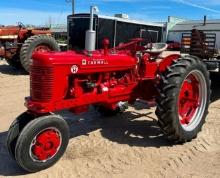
[(129, 145)]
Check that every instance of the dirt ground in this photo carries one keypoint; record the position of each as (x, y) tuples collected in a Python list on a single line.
[(129, 145)]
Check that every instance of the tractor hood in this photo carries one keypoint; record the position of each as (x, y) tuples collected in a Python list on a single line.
[(97, 62), (10, 32)]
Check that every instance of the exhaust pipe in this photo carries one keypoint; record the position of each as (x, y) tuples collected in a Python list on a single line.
[(91, 34), (73, 7), (205, 20)]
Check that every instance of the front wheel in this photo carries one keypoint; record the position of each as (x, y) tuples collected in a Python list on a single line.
[(184, 99), (42, 143), (15, 129)]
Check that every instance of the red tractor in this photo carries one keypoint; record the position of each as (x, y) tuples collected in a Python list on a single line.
[(172, 45), (106, 79), (17, 43)]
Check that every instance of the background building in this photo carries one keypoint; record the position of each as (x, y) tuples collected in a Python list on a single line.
[(207, 26)]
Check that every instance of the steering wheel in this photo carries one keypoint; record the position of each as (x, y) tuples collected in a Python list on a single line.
[(149, 46)]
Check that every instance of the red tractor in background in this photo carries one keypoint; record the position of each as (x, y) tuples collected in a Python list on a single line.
[(172, 45), (17, 43), (106, 79)]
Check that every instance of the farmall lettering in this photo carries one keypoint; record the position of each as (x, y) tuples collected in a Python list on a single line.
[(94, 62)]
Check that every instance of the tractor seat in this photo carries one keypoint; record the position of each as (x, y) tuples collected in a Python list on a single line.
[(157, 48)]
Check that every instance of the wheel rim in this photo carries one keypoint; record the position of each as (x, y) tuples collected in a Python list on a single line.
[(192, 100), (42, 48), (45, 145)]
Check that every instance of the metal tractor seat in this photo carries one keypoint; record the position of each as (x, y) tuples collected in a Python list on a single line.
[(157, 48)]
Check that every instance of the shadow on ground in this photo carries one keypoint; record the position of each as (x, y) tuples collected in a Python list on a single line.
[(128, 128), (8, 166), (215, 78), (8, 70)]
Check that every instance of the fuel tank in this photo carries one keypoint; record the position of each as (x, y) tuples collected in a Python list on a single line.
[(82, 63)]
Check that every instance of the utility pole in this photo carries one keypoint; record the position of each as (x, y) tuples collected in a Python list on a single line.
[(73, 5)]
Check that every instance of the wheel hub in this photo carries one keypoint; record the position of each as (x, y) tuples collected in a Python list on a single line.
[(45, 145), (192, 99), (42, 48)]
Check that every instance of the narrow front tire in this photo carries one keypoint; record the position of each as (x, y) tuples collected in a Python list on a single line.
[(42, 143)]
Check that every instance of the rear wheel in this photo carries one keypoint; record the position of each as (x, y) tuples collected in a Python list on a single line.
[(184, 99), (42, 143), (43, 43)]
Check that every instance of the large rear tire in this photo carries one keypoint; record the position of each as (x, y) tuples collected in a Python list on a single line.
[(41, 143), (36, 43), (184, 99)]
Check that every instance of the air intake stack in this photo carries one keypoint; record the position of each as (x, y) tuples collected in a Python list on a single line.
[(91, 34), (205, 20)]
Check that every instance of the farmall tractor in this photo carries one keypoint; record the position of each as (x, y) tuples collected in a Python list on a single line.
[(17, 43), (106, 79)]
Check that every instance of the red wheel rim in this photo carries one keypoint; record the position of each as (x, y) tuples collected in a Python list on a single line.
[(42, 48), (45, 145), (192, 100), (188, 99)]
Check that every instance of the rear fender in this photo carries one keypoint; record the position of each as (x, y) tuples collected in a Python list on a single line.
[(41, 32), (167, 61)]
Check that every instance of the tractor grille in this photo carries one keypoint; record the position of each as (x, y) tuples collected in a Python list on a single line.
[(41, 79)]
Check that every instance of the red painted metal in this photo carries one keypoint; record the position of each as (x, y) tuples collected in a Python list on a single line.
[(189, 99), (172, 45), (46, 145), (16, 35), (42, 48), (148, 68), (2, 51), (74, 80), (167, 62), (106, 44)]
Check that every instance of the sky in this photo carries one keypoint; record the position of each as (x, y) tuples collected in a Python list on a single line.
[(40, 12)]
